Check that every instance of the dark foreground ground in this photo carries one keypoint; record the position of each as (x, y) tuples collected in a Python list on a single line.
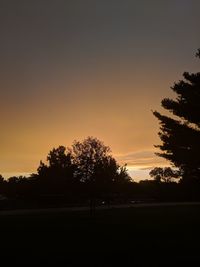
[(146, 236)]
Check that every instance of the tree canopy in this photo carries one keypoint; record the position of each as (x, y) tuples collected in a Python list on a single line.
[(85, 162), (180, 133), (166, 174), (59, 164)]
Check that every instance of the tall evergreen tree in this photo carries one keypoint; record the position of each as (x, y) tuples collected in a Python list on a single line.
[(180, 134)]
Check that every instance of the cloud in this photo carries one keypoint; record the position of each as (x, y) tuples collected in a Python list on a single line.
[(140, 163), (143, 160)]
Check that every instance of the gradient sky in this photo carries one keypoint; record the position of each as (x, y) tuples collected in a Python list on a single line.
[(72, 69)]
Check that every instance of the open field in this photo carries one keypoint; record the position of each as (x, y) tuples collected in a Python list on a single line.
[(149, 236)]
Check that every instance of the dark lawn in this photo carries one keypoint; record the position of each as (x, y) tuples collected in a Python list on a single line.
[(153, 236)]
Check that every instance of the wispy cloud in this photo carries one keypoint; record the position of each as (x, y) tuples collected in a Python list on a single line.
[(139, 163), (143, 160)]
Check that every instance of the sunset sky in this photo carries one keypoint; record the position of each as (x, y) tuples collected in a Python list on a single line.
[(76, 68)]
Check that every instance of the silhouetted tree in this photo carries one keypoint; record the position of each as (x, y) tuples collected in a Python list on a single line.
[(97, 169), (95, 163), (165, 175), (87, 155), (59, 164), (1, 179), (57, 176), (85, 171), (17, 179), (181, 137), (123, 176), (2, 182)]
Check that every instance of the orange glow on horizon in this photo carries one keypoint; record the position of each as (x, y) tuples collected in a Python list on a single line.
[(81, 73)]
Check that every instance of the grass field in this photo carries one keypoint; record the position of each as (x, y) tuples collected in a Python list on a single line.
[(153, 236)]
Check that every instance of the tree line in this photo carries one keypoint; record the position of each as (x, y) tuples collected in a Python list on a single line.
[(87, 171)]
